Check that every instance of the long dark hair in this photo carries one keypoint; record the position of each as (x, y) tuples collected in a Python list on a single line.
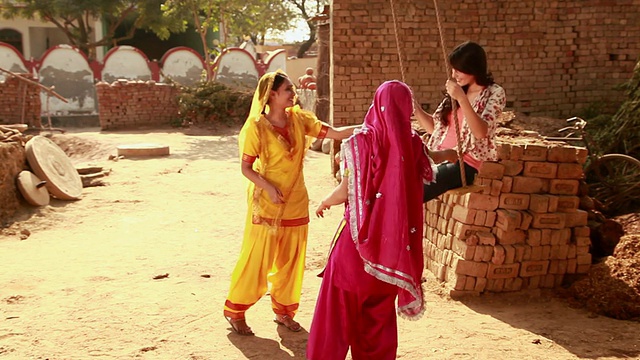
[(468, 58), (278, 80)]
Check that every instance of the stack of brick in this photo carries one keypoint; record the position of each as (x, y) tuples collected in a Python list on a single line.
[(133, 104), (524, 230), (20, 102)]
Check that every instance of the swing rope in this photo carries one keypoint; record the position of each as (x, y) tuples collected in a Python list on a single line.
[(448, 74), (453, 102), (395, 32)]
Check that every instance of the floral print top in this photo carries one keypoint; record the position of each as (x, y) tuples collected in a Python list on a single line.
[(489, 105)]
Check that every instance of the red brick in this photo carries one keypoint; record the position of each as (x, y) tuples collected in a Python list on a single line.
[(480, 201), (527, 218), (508, 220), (515, 152), (534, 153), (582, 155), (512, 168), (563, 187), (491, 170), (514, 201), (548, 221), (463, 250), (490, 220), (559, 252), (581, 250), (499, 255), (481, 217), (487, 253), (536, 253), (562, 154), (583, 268), (513, 284), (520, 250), (503, 151), (531, 283), (486, 238), (495, 285), (509, 237), (553, 203), (529, 185), (546, 252), (539, 203), (534, 237), (481, 284), (570, 171), (462, 231), (534, 268), (568, 203), (507, 184), (510, 254), (581, 231), (544, 170), (503, 271), (545, 236), (577, 218), (471, 268), (496, 188), (470, 284), (463, 214), (584, 259)]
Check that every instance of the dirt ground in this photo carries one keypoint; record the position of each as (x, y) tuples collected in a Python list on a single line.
[(81, 285)]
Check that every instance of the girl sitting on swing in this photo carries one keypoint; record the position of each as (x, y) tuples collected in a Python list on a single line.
[(480, 102)]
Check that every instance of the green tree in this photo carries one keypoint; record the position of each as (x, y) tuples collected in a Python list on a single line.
[(307, 10), (255, 18), (76, 18), (236, 18), (205, 17)]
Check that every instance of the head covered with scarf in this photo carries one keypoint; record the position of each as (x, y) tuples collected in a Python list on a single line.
[(386, 165)]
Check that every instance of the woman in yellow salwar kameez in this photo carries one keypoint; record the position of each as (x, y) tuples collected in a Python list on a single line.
[(272, 144)]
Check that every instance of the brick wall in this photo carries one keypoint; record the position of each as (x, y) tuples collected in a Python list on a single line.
[(523, 231), (132, 104), (553, 58), (19, 102)]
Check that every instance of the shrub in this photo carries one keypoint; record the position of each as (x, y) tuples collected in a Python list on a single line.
[(212, 102)]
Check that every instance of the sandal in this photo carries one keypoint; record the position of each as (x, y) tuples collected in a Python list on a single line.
[(288, 322), (239, 326)]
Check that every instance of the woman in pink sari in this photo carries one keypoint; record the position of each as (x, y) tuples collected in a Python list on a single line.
[(377, 251)]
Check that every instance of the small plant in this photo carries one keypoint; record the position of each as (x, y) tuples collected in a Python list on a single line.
[(212, 102)]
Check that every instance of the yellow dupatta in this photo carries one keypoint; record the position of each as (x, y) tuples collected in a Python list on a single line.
[(257, 125)]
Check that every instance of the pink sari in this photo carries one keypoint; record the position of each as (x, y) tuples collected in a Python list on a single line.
[(385, 166)]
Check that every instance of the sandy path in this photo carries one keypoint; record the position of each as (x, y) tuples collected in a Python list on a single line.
[(81, 286)]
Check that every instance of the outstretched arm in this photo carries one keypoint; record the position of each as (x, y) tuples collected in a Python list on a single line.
[(341, 133), (337, 196), (425, 120)]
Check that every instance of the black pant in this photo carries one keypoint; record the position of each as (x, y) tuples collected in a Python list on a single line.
[(447, 178)]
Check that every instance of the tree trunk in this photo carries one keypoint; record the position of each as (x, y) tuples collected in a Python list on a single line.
[(307, 44)]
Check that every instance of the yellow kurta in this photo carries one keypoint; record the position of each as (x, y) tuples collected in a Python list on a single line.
[(275, 237)]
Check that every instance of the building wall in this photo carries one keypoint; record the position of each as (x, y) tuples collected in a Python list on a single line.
[(38, 36), (554, 58)]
